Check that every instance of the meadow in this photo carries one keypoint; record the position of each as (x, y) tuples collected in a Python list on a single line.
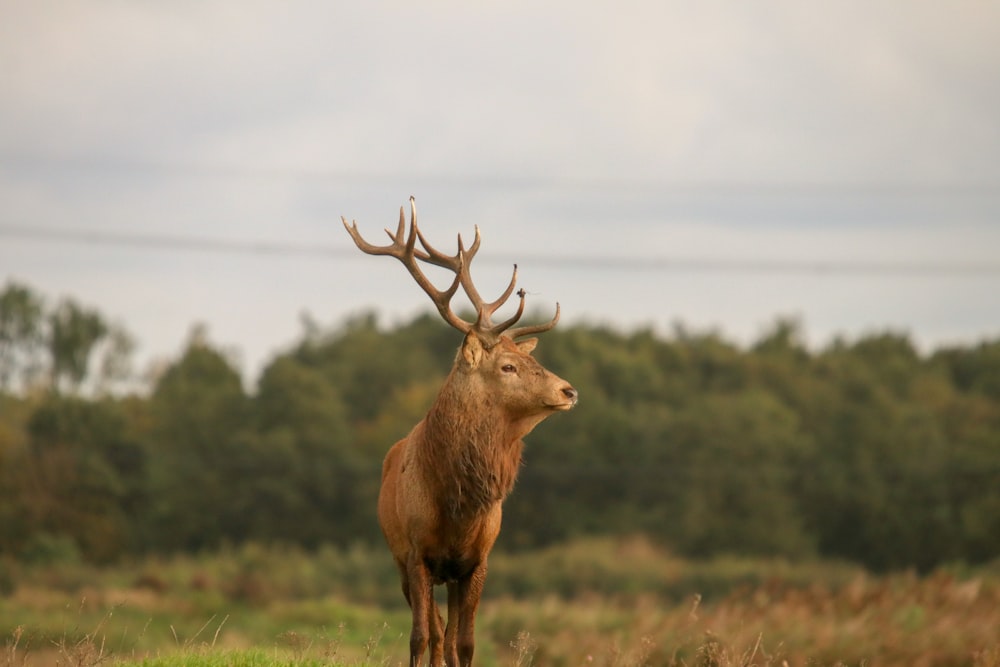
[(595, 602)]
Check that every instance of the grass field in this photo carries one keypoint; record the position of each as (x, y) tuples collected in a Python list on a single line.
[(590, 603)]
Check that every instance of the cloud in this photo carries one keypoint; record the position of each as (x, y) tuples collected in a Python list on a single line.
[(715, 90), (775, 131)]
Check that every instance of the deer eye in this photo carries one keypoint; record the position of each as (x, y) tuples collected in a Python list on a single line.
[(509, 368)]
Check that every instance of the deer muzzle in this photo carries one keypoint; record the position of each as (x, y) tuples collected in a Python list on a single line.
[(570, 396)]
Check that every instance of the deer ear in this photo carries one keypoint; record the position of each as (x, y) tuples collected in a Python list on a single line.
[(472, 350), (527, 345)]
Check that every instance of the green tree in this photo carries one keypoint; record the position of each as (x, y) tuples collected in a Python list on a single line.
[(881, 492), (21, 334), (367, 365), (735, 465), (865, 450), (322, 484), (74, 333), (199, 414), (974, 370), (81, 476)]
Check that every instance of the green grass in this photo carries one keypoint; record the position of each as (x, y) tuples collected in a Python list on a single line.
[(245, 658), (117, 624), (599, 602)]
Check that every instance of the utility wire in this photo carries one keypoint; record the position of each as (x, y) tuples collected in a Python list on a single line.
[(177, 242), (101, 165)]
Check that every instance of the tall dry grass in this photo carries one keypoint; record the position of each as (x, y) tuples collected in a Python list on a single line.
[(896, 621), (601, 603)]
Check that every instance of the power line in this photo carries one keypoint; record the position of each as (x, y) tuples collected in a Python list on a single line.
[(678, 185), (167, 241), (177, 242)]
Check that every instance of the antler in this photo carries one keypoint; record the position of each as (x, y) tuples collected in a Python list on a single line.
[(404, 248)]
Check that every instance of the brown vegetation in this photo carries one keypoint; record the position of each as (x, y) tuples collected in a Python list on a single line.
[(799, 615)]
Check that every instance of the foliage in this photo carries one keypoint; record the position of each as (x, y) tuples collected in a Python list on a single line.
[(868, 450), (60, 346), (20, 334)]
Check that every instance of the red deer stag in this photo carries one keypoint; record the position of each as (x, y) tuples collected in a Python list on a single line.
[(443, 484)]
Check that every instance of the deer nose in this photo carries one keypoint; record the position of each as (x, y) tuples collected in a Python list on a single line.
[(570, 393)]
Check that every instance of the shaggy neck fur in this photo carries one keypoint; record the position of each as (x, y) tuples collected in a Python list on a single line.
[(471, 449)]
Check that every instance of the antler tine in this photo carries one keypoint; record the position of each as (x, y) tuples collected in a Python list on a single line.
[(411, 242), (407, 253), (486, 310), (461, 264), (434, 256), (533, 328), (363, 245), (400, 229), (404, 248), (503, 326)]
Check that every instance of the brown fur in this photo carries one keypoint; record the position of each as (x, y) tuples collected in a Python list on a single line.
[(443, 485)]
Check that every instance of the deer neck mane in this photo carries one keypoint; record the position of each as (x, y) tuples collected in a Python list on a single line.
[(470, 449)]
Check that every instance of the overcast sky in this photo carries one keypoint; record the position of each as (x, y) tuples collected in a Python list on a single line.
[(715, 163)]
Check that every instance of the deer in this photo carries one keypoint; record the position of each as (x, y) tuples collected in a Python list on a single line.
[(443, 485)]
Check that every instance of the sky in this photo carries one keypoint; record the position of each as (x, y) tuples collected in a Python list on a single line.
[(716, 164)]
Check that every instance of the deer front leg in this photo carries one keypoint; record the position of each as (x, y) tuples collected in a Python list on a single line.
[(463, 602), (450, 635), (421, 599), (437, 634)]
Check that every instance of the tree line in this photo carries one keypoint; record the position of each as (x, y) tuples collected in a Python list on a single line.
[(865, 450)]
